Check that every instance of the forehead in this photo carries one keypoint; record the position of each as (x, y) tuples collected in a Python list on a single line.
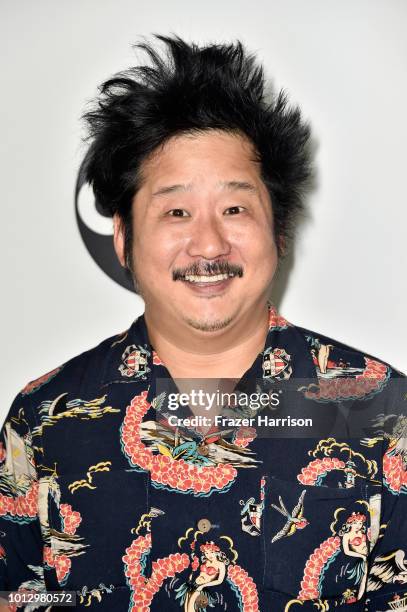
[(227, 156)]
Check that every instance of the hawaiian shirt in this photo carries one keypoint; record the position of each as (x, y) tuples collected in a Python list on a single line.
[(100, 495)]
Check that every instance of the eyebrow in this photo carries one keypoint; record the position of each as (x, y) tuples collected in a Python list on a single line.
[(171, 189), (239, 185), (229, 185)]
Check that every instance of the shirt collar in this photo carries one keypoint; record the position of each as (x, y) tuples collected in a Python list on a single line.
[(131, 358)]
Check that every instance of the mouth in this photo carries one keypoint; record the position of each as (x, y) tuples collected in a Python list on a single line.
[(208, 284), (205, 279)]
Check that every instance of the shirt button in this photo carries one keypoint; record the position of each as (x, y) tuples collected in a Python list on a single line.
[(204, 525)]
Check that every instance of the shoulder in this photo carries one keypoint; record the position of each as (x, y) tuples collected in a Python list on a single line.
[(348, 373), (77, 381), (341, 355), (81, 374)]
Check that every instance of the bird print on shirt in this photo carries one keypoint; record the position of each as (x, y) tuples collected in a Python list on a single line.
[(295, 519)]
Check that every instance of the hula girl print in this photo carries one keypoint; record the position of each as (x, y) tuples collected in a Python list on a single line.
[(341, 559), (210, 570), (204, 573)]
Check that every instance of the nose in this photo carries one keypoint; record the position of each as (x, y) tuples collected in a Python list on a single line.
[(208, 239)]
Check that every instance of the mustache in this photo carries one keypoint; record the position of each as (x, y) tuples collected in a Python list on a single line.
[(200, 268)]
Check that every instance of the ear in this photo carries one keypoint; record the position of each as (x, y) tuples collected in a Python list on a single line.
[(118, 239), (282, 245)]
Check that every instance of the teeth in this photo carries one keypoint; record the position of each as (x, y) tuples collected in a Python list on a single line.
[(207, 279)]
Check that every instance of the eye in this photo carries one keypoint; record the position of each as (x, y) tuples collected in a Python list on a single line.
[(177, 212), (234, 210)]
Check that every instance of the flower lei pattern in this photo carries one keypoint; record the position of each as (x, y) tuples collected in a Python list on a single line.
[(314, 472), (245, 587), (21, 509), (168, 473), (314, 568), (365, 385), (276, 321), (70, 520), (394, 472)]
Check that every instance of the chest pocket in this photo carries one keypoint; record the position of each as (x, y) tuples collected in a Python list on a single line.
[(316, 539)]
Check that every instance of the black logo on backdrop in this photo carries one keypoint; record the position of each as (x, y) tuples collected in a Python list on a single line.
[(96, 230)]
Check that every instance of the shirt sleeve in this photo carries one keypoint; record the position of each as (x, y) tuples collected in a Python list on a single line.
[(387, 573), (21, 544)]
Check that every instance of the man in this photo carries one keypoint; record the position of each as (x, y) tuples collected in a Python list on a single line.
[(106, 489)]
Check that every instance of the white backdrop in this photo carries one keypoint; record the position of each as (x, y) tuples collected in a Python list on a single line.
[(343, 62)]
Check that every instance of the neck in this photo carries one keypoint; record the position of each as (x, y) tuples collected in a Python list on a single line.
[(226, 353)]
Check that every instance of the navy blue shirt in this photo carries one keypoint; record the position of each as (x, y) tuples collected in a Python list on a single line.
[(103, 494)]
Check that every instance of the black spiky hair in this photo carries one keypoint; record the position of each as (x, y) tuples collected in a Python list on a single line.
[(191, 88)]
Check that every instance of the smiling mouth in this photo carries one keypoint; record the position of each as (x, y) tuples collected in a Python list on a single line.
[(207, 278)]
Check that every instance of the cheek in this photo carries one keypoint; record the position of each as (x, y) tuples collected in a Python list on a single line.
[(155, 255), (256, 245), (263, 258)]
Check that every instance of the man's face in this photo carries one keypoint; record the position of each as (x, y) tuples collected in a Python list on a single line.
[(202, 201)]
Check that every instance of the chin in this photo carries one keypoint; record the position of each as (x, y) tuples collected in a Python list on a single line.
[(207, 324)]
